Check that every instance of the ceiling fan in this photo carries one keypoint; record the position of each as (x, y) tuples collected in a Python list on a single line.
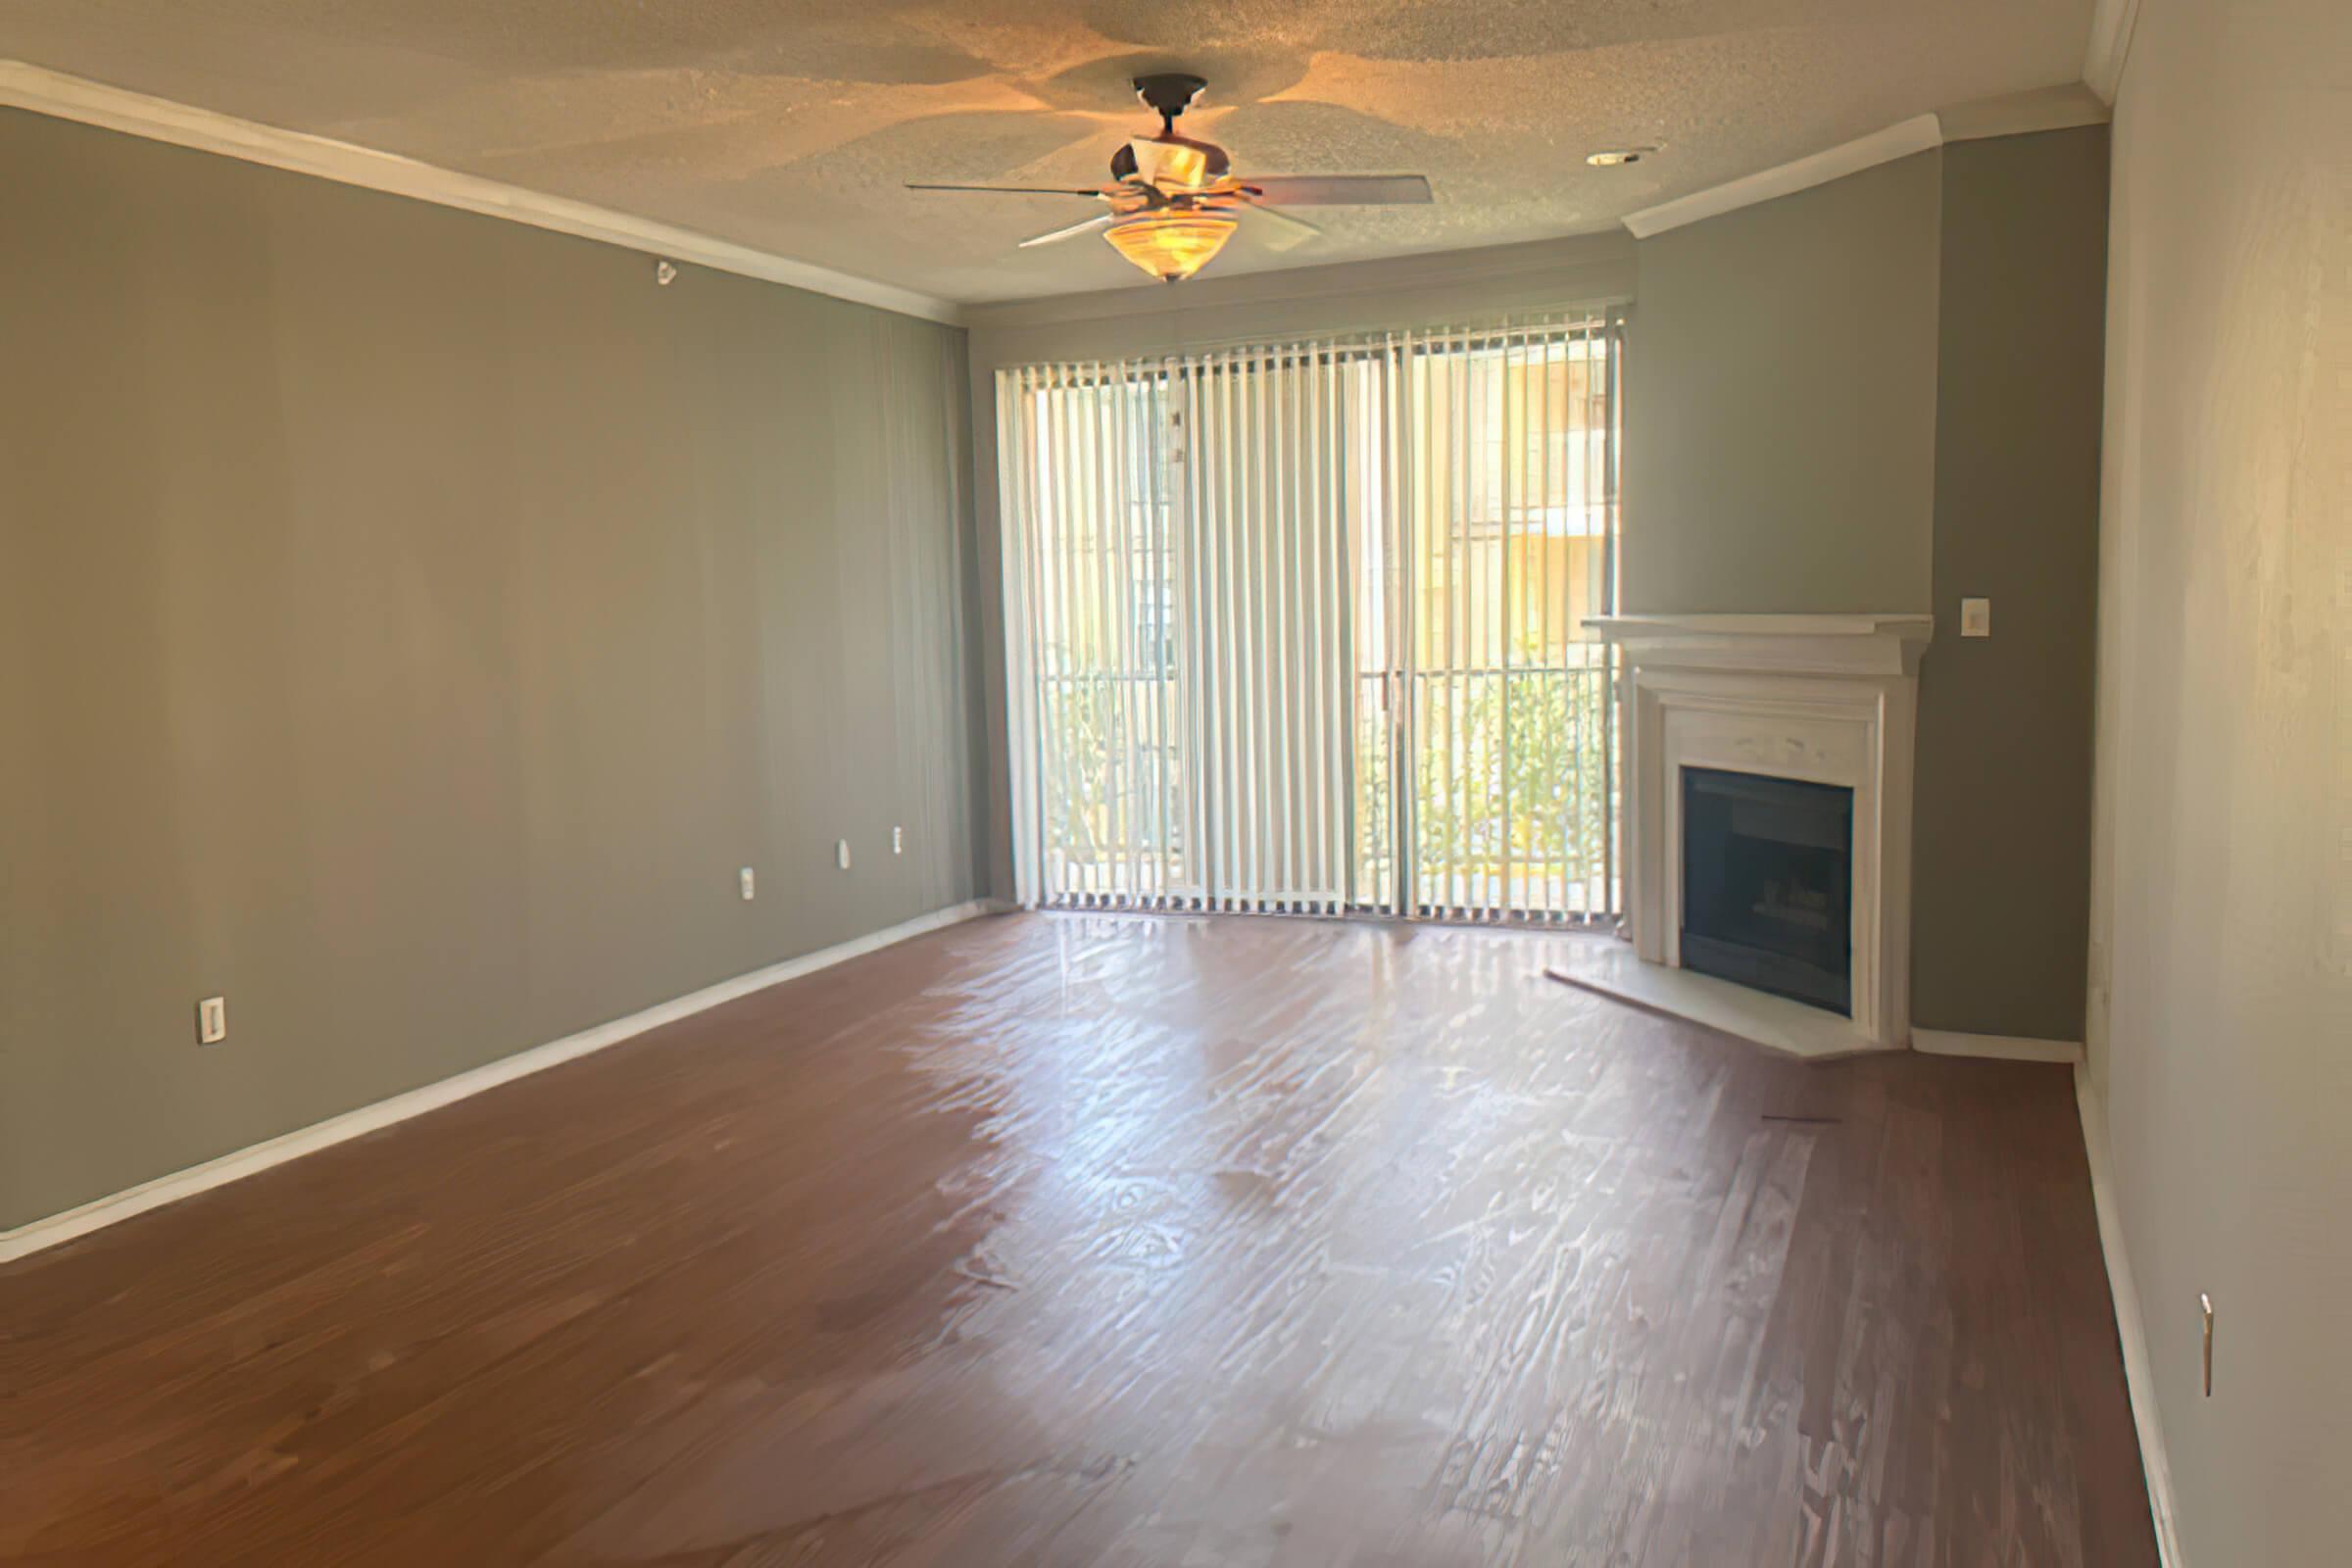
[(1174, 202)]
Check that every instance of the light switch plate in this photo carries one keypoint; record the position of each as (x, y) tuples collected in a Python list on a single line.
[(1975, 617), (841, 853), (212, 1020), (898, 840), (748, 883)]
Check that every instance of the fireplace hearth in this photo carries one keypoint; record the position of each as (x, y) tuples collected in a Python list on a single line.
[(1768, 884)]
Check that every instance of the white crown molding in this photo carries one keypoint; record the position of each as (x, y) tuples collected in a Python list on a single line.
[(2110, 26), (2061, 107), (1918, 134), (35, 1235), (92, 103), (2130, 1329)]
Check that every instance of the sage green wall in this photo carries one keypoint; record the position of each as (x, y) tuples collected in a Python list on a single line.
[(409, 623), (1779, 417), (2002, 806)]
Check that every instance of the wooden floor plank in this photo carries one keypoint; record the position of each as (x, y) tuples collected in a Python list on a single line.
[(1116, 1239)]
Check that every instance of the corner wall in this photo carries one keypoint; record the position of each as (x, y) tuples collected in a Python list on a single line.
[(1883, 394), (409, 623), (2221, 955), (1877, 394), (2000, 922)]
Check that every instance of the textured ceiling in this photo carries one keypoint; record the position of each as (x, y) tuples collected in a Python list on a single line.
[(789, 125)]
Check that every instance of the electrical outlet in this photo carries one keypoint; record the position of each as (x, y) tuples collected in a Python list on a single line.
[(212, 1020), (841, 853), (744, 877), (898, 840), (1975, 617)]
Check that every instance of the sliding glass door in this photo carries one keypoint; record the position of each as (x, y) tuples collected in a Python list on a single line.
[(1299, 627), (1107, 784), (1509, 544)]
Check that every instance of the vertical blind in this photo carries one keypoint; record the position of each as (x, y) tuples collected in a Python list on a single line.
[(1297, 627)]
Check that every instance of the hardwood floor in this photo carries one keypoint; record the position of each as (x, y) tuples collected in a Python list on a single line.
[(1068, 1239)]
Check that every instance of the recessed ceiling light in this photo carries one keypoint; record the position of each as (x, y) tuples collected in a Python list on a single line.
[(1613, 157)]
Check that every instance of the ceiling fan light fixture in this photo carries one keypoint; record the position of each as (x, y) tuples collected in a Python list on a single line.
[(1173, 201), (1171, 245)]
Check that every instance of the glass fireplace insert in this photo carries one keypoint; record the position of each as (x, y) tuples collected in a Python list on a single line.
[(1768, 884)]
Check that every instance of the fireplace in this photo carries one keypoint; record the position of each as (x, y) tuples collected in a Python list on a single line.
[(1820, 705), (1768, 884)]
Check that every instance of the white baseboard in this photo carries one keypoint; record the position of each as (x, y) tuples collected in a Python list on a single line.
[(1997, 1048), (35, 1235), (2138, 1371)]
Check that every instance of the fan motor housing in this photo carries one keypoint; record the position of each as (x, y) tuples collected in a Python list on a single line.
[(1169, 92), (1125, 166)]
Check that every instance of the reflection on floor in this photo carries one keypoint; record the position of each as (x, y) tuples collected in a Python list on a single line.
[(1117, 1239)]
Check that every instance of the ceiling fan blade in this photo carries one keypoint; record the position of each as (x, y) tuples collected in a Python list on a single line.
[(1098, 221), (1341, 190), (1285, 231), (1009, 190)]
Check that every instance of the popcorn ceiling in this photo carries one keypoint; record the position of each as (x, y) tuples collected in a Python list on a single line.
[(790, 125)]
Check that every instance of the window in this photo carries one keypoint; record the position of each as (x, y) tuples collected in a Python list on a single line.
[(1300, 626)]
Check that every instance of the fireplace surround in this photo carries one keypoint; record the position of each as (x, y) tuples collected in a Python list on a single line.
[(1819, 699)]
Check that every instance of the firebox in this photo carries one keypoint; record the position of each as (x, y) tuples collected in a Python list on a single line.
[(1768, 884)]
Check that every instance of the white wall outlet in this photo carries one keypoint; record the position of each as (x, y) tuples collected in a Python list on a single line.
[(212, 1020), (744, 879), (1975, 617), (898, 840), (841, 853)]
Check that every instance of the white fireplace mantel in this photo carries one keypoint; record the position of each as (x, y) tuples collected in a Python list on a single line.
[(1830, 699), (1825, 644)]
